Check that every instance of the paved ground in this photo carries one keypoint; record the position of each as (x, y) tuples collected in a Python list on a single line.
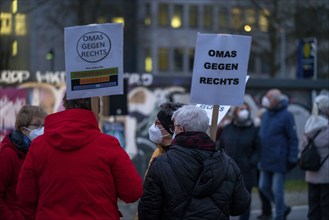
[(297, 200)]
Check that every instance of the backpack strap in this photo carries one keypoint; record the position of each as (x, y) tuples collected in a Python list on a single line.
[(312, 139)]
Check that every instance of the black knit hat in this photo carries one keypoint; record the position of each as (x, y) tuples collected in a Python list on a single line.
[(164, 115)]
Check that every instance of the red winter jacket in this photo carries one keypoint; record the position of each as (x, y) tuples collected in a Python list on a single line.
[(11, 160), (74, 171)]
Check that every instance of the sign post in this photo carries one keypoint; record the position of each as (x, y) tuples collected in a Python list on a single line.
[(307, 58), (213, 126)]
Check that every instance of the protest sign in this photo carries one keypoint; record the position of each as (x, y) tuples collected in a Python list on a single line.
[(220, 69), (94, 60), (222, 110)]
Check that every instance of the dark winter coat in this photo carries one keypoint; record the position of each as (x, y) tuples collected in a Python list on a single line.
[(241, 142), (193, 165), (279, 140)]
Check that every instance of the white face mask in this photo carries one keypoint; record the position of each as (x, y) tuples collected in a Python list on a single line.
[(34, 133), (265, 102), (155, 134), (243, 114)]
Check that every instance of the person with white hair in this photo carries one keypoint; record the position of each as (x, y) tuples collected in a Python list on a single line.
[(279, 149), (318, 181), (193, 180)]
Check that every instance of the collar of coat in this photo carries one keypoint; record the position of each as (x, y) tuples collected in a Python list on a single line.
[(193, 139)]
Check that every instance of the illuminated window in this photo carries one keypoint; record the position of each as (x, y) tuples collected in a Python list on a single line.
[(207, 16), (222, 19), (250, 16), (263, 20), (236, 18), (163, 61), (14, 6), (20, 24), (118, 20), (193, 16), (147, 18), (176, 20), (148, 61), (163, 17), (178, 59), (191, 59), (14, 49), (6, 23)]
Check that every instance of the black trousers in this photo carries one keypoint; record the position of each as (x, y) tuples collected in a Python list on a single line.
[(318, 201)]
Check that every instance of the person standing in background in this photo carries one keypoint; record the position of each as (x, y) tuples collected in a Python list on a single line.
[(76, 172), (163, 128), (161, 131), (279, 144), (240, 141), (318, 181), (13, 149)]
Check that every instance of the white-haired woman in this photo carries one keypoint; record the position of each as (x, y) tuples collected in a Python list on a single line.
[(318, 181)]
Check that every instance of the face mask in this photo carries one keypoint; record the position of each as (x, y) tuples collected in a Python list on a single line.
[(34, 133), (243, 115), (265, 102), (155, 134)]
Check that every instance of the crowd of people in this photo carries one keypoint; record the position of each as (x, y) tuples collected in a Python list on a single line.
[(61, 166)]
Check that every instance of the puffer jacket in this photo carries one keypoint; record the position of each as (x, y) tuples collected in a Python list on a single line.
[(74, 171), (193, 165), (321, 142), (279, 141)]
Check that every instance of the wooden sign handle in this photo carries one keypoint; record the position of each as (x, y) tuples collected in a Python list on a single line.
[(214, 119)]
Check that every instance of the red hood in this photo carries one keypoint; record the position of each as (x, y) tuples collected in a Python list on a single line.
[(70, 129)]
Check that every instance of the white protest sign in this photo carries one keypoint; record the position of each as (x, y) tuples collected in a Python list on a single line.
[(94, 60), (220, 69), (222, 110)]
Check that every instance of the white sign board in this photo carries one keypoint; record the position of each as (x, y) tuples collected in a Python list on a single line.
[(220, 69), (94, 60), (223, 109)]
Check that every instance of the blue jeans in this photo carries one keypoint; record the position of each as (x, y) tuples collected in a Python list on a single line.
[(272, 186)]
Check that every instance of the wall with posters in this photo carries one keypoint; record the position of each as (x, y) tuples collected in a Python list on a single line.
[(145, 93)]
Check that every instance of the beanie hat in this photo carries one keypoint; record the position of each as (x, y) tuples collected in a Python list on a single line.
[(164, 115)]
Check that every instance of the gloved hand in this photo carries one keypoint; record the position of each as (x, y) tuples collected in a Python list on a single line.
[(291, 165)]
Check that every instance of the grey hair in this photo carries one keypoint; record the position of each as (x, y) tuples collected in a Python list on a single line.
[(322, 102), (191, 118)]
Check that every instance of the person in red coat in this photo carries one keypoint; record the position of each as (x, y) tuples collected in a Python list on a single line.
[(76, 172), (13, 148)]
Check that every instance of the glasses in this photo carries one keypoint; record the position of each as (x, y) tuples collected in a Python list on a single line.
[(35, 125)]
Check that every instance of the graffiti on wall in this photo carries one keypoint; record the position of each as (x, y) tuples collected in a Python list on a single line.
[(145, 93)]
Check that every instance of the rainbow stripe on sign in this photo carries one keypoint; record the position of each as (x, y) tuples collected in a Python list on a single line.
[(94, 79)]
